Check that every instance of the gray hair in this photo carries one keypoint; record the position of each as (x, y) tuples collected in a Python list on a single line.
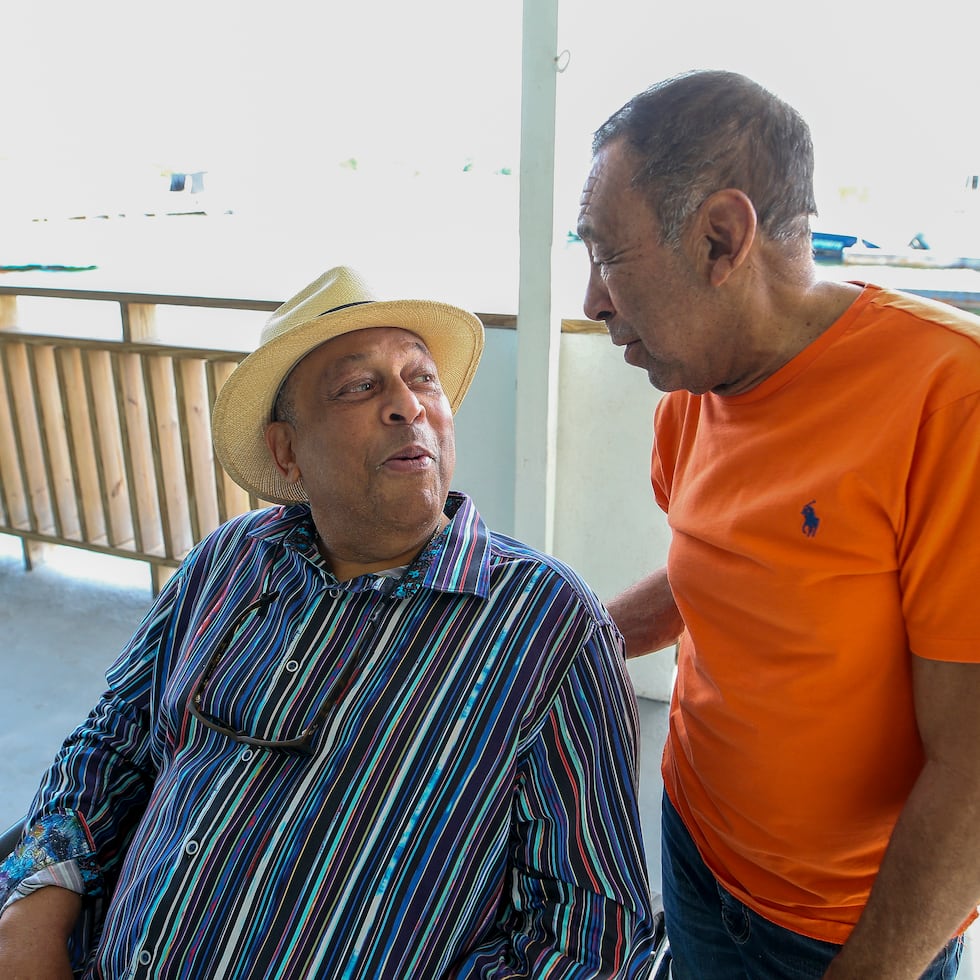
[(704, 131), (284, 406)]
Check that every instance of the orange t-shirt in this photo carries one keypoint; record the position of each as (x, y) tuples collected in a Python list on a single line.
[(825, 525)]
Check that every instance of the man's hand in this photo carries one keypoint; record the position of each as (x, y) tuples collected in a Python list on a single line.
[(34, 935)]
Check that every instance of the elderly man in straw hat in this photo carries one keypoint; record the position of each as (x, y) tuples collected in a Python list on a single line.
[(358, 734)]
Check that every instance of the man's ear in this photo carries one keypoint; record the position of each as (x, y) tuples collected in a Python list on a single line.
[(279, 439), (726, 225)]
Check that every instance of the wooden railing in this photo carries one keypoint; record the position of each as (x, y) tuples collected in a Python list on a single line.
[(105, 443)]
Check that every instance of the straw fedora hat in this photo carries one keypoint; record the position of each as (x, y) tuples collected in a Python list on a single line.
[(338, 302)]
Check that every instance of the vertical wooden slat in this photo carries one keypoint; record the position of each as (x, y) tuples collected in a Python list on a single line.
[(168, 461), (26, 447), (83, 456), (133, 423), (50, 429), (27, 436), (13, 492), (184, 441), (195, 426), (54, 438), (88, 395), (159, 576), (110, 448), (231, 498), (152, 432)]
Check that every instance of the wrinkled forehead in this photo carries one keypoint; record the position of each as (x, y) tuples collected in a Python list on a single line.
[(609, 188)]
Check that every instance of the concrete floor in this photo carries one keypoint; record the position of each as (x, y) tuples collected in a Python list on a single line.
[(62, 623)]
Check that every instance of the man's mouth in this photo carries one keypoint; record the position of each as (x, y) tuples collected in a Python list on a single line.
[(620, 338), (633, 353), (409, 459)]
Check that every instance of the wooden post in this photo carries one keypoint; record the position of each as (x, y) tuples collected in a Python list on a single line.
[(8, 312), (139, 321), (159, 576)]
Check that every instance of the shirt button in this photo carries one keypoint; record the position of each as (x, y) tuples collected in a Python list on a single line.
[(292, 666), (192, 847), (247, 755), (335, 592), (145, 958)]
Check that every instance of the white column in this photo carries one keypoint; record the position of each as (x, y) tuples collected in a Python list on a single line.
[(538, 327)]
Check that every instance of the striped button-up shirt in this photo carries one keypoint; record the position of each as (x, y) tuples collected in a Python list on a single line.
[(468, 810)]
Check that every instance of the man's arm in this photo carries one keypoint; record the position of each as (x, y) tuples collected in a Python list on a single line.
[(577, 900), (100, 770), (34, 935), (929, 881), (87, 807), (647, 615)]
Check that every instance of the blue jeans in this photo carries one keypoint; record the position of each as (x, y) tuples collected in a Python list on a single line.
[(713, 936)]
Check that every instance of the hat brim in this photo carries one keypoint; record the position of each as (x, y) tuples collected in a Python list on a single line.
[(243, 407)]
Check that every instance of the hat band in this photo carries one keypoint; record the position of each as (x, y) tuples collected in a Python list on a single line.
[(336, 309)]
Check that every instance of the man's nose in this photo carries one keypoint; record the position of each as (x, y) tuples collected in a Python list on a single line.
[(598, 304), (403, 404)]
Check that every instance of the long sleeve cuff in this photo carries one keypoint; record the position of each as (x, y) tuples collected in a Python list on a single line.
[(57, 850)]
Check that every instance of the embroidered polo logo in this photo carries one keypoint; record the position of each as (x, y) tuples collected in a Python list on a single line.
[(810, 520)]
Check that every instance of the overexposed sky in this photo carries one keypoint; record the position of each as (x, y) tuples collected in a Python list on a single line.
[(889, 90), (151, 77), (248, 78), (280, 94)]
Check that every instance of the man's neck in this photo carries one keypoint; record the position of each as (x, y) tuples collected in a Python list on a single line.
[(793, 316), (347, 564), (822, 306)]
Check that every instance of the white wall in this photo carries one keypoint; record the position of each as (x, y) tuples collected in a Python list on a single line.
[(607, 523), (485, 433)]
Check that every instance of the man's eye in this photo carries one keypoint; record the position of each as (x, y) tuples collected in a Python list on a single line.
[(359, 386)]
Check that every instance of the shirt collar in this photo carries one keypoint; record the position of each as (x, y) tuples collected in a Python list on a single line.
[(457, 559)]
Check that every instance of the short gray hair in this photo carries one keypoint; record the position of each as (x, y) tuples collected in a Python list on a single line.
[(704, 131)]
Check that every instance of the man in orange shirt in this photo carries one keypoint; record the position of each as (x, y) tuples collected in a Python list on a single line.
[(818, 458)]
